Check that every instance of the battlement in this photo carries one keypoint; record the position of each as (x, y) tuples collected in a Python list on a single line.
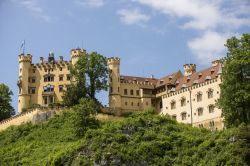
[(114, 60), (25, 58), (77, 52)]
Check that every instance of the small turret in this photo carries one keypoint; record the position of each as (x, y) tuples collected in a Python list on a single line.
[(51, 57), (189, 69), (215, 63), (76, 54), (114, 82)]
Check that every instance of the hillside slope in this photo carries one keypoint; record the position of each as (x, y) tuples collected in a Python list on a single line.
[(141, 139)]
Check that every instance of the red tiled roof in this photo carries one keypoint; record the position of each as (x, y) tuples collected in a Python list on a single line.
[(169, 79), (197, 77)]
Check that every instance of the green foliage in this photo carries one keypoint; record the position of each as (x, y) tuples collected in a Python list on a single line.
[(235, 87), (141, 139), (84, 116), (6, 110), (89, 76)]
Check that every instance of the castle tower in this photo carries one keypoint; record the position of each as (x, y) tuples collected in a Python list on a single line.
[(76, 54), (114, 82), (23, 82), (189, 69)]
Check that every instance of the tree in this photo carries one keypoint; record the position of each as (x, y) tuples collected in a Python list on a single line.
[(97, 74), (77, 89), (235, 88), (6, 110), (84, 116), (89, 76)]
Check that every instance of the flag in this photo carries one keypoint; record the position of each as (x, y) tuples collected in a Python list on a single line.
[(23, 43)]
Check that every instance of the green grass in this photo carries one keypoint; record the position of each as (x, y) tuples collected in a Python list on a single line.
[(140, 139)]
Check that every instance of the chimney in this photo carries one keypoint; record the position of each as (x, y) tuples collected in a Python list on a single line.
[(41, 60), (189, 69), (215, 63)]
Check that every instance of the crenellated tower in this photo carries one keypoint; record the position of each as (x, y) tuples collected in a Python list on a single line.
[(76, 54), (114, 82), (23, 82)]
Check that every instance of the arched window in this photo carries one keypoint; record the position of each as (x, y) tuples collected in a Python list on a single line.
[(211, 108), (200, 111), (183, 116), (183, 101), (173, 104), (210, 93), (199, 96)]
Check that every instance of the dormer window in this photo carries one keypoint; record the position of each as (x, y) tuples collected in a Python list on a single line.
[(195, 82), (177, 83), (161, 81), (200, 74), (212, 71), (208, 78), (188, 79), (183, 86), (170, 78)]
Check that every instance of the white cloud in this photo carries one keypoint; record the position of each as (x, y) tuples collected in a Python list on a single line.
[(204, 14), (32, 5), (208, 17), (133, 16), (209, 46), (90, 3)]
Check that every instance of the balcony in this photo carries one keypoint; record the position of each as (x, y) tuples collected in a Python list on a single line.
[(48, 93)]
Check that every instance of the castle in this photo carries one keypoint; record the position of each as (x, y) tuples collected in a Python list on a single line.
[(43, 83), (188, 98)]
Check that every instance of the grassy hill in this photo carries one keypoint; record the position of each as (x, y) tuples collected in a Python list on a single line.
[(140, 139)]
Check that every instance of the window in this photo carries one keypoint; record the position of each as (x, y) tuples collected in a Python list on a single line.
[(60, 69), (32, 90), (211, 108), (146, 103), (60, 77), (199, 96), (160, 104), (131, 92), (200, 125), (173, 105), (210, 93), (68, 77), (125, 91), (34, 70), (137, 92), (174, 117), (20, 70), (48, 78), (60, 88), (126, 103), (132, 104), (48, 88), (45, 70), (200, 111), (183, 116), (118, 89), (183, 101), (33, 80), (138, 104), (211, 124)]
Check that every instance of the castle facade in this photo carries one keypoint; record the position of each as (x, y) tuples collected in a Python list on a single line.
[(43, 83), (188, 98)]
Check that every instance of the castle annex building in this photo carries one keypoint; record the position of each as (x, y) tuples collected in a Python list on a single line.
[(188, 98), (43, 83)]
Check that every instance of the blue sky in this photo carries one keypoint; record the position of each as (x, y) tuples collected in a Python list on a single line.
[(150, 36)]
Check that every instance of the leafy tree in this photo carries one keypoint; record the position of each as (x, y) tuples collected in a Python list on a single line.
[(84, 118), (89, 76), (97, 74), (77, 89), (6, 110), (235, 88)]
